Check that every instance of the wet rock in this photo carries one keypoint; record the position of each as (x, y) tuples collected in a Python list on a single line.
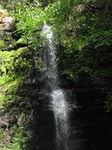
[(90, 124)]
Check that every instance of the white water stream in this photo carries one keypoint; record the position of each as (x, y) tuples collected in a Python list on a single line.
[(58, 101)]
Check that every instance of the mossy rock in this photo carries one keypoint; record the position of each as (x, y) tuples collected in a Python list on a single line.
[(14, 66), (3, 14), (2, 44), (22, 41)]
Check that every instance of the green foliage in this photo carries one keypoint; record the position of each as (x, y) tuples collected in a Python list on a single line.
[(17, 138), (2, 44), (11, 139), (85, 33), (29, 18), (14, 67)]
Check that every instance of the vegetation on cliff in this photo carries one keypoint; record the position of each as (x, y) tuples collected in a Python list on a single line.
[(83, 33), (15, 65)]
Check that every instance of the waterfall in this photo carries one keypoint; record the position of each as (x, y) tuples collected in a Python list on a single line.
[(58, 102)]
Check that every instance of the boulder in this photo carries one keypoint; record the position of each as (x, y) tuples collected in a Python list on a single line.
[(6, 22)]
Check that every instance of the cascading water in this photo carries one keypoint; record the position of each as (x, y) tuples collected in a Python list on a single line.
[(58, 101)]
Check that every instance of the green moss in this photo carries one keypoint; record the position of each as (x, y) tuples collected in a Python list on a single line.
[(2, 44), (6, 55), (10, 139), (14, 66), (13, 69), (6, 62), (22, 41), (4, 12), (4, 136), (7, 86), (22, 50)]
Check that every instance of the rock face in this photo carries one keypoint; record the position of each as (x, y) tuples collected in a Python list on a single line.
[(7, 23), (39, 121), (91, 126)]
